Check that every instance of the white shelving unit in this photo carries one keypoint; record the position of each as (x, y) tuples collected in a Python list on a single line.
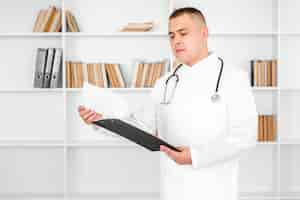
[(51, 154)]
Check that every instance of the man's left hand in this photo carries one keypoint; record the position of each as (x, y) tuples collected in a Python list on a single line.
[(181, 158)]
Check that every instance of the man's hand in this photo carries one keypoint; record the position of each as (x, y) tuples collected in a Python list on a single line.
[(87, 115), (181, 158)]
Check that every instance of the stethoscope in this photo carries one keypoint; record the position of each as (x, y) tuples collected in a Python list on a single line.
[(214, 98)]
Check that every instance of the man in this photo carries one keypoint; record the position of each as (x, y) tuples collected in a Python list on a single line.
[(211, 135)]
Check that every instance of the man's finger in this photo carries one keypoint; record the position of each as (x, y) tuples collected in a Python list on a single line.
[(91, 118), (84, 111), (169, 152), (181, 148), (85, 117), (81, 108)]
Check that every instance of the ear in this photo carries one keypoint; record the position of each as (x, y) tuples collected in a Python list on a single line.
[(204, 32)]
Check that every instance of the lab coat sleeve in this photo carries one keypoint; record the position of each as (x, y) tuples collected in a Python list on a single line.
[(242, 127)]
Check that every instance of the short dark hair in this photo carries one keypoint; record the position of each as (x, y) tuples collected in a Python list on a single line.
[(190, 11)]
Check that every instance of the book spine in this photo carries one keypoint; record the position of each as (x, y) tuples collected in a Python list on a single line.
[(40, 65), (252, 73)]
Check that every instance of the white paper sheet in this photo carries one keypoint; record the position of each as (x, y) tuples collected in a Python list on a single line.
[(104, 101)]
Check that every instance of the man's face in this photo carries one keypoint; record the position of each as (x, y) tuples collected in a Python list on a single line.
[(188, 37)]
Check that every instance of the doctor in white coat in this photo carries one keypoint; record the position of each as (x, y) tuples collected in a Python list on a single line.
[(210, 115)]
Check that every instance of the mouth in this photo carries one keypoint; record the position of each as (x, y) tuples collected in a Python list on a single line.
[(179, 50)]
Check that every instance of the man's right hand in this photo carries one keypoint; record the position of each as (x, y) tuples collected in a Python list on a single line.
[(87, 115)]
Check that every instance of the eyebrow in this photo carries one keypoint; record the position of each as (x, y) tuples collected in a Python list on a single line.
[(179, 30)]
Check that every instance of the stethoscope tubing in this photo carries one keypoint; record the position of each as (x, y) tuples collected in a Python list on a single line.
[(174, 74)]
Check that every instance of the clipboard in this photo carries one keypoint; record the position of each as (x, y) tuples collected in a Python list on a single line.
[(134, 134)]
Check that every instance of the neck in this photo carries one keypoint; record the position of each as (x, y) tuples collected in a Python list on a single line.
[(200, 57)]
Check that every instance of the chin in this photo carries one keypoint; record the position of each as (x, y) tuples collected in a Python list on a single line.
[(182, 60)]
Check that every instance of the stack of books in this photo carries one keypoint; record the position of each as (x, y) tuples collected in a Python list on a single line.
[(263, 73), (48, 68), (99, 74), (137, 27), (115, 76), (109, 75), (146, 73), (71, 23), (266, 128), (50, 20)]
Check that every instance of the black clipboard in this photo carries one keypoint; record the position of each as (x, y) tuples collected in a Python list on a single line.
[(134, 134)]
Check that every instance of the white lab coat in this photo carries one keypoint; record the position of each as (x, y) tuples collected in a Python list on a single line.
[(217, 133)]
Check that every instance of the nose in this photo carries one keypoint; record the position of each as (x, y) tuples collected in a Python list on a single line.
[(177, 41)]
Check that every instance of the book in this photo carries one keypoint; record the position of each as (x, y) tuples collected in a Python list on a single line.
[(100, 75), (263, 73), (78, 72), (139, 75), (56, 24), (56, 74), (40, 65), (48, 69), (38, 21), (48, 19), (115, 76), (109, 75), (252, 73), (266, 130), (146, 73), (91, 74), (69, 74), (137, 27), (72, 25), (274, 72)]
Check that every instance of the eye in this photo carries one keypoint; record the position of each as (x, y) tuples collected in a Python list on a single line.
[(171, 36), (183, 33)]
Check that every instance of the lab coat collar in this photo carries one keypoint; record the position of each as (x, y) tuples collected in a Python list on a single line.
[(204, 65)]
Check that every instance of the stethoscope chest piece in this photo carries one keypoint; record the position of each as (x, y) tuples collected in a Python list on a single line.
[(215, 98)]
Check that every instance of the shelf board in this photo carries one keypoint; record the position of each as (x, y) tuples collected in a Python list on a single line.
[(40, 90), (113, 89), (267, 143), (258, 196), (136, 34), (31, 90), (290, 89), (243, 33), (33, 34), (284, 142), (290, 141), (290, 195), (116, 34), (114, 195), (118, 142), (289, 34), (32, 143), (265, 88)]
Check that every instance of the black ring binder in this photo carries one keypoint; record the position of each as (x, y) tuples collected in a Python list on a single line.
[(134, 134)]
